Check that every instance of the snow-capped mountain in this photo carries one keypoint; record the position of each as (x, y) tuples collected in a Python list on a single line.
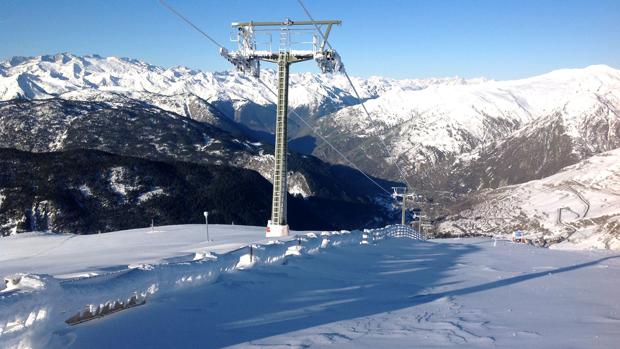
[(54, 75), (579, 206), (241, 97), (569, 114)]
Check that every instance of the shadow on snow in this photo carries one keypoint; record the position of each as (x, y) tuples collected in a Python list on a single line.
[(334, 285)]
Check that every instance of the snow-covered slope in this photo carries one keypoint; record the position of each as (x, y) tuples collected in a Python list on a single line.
[(579, 207), (97, 254), (323, 290), (100, 269)]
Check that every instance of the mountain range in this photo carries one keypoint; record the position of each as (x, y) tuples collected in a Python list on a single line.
[(452, 136)]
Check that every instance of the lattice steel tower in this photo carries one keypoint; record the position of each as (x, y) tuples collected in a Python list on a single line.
[(247, 59)]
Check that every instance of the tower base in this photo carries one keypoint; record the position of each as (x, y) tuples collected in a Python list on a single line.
[(275, 231)]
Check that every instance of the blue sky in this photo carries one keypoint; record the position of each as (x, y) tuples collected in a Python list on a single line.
[(500, 39)]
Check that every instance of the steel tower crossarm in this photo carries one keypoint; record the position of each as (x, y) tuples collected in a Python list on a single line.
[(284, 23), (293, 57)]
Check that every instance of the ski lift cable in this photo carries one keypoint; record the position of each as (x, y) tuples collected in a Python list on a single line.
[(385, 147), (178, 14), (339, 153), (216, 43)]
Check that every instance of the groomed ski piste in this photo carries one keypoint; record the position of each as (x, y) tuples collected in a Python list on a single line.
[(168, 287)]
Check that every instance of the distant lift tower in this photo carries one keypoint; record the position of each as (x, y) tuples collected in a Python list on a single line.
[(247, 59), (401, 192)]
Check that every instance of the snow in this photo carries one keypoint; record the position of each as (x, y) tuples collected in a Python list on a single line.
[(87, 77), (297, 185), (85, 190), (323, 290), (23, 282), (118, 182), (99, 253), (208, 142)]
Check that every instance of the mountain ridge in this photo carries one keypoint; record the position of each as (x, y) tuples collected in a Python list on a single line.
[(243, 98)]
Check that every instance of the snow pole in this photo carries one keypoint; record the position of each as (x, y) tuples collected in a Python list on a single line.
[(404, 211), (206, 214)]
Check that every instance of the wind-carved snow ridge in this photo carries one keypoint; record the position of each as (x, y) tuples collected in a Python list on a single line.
[(35, 306)]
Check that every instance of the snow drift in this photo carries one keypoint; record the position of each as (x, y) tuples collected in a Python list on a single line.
[(34, 306)]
